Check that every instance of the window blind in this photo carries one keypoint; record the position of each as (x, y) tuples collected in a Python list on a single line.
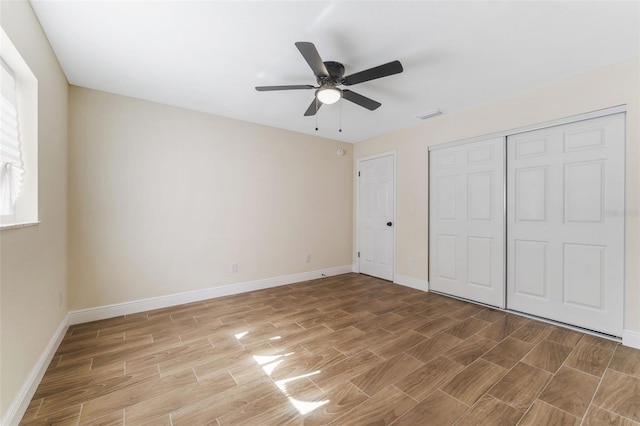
[(11, 166)]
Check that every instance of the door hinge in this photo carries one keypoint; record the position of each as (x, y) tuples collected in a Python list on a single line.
[(358, 254), (358, 174)]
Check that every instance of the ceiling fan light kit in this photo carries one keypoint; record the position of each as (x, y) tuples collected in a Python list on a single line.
[(330, 74), (329, 95)]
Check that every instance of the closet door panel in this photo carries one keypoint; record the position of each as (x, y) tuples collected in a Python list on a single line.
[(565, 245), (466, 221)]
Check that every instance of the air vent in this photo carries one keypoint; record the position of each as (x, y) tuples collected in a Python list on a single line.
[(429, 114)]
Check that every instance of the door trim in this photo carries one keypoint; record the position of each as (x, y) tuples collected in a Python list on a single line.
[(393, 154)]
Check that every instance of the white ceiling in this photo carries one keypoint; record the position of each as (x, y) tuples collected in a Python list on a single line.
[(209, 55)]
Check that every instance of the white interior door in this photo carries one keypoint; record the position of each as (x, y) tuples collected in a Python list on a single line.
[(376, 221), (466, 221), (565, 247)]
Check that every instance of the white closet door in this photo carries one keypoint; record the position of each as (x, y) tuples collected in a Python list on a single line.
[(565, 204), (466, 221)]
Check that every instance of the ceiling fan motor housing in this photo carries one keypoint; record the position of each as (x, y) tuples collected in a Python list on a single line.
[(335, 70)]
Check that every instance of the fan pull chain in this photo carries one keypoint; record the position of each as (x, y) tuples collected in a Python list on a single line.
[(316, 114), (340, 129)]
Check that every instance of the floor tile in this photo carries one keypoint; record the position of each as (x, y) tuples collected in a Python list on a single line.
[(600, 342), (273, 408), (532, 331), (469, 385), (438, 309), (163, 404), (206, 410), (134, 394), (334, 404), (626, 360), (548, 355), (333, 339), (428, 378), (346, 370), (396, 344), (489, 410), (353, 346), (428, 349), (348, 320), (378, 322), (508, 352), (590, 359), (406, 324), (382, 375), (437, 409), (435, 326), (466, 311), (467, 328), (597, 416), (301, 362), (544, 414), (570, 390), (502, 328), (490, 315), (117, 419), (564, 336), (63, 416), (470, 349), (382, 409), (521, 386), (619, 393)]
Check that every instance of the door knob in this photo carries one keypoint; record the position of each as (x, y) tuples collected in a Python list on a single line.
[(389, 223)]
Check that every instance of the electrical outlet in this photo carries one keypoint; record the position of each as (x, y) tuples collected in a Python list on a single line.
[(234, 267), (412, 261), (60, 297), (307, 258)]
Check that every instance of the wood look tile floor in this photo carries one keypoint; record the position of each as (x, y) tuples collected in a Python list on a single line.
[(345, 350)]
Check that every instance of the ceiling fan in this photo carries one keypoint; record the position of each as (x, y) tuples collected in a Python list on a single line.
[(330, 74)]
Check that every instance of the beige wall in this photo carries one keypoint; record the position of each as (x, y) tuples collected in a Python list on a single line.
[(162, 200), (611, 86), (33, 262)]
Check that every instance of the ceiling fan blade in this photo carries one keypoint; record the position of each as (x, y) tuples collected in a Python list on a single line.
[(311, 55), (313, 108), (290, 87), (363, 101), (380, 71)]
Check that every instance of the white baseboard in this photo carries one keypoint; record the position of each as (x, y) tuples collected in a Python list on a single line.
[(126, 308), (19, 406), (631, 339), (411, 282)]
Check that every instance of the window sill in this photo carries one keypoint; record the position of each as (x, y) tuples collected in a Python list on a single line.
[(17, 225)]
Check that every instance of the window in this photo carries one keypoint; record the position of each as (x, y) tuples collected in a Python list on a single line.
[(11, 167), (18, 138)]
